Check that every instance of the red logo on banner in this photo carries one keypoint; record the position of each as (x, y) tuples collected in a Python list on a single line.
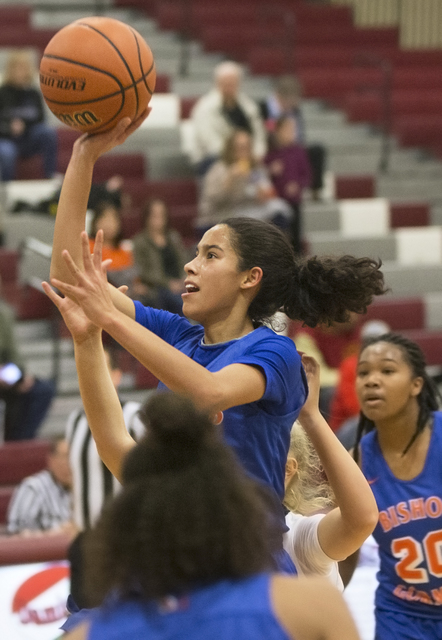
[(35, 586)]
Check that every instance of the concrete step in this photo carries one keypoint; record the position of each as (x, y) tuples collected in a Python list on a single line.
[(412, 280), (421, 188), (332, 243), (57, 19)]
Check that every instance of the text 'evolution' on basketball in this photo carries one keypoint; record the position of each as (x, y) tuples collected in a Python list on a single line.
[(60, 82)]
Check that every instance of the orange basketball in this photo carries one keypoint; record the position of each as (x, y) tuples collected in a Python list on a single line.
[(96, 71)]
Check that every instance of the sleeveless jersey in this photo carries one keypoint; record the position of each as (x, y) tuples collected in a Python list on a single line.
[(238, 610), (409, 529)]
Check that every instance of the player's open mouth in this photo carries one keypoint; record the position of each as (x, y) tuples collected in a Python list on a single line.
[(190, 288)]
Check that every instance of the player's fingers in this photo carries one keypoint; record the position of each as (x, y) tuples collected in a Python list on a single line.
[(71, 265), (65, 288), (49, 291), (97, 254), (124, 288)]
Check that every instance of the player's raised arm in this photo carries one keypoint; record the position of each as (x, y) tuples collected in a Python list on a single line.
[(71, 211), (100, 400), (343, 530)]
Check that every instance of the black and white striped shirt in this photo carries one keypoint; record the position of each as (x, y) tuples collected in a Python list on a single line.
[(39, 503), (92, 481)]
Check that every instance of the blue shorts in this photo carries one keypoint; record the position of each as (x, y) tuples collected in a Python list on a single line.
[(394, 626)]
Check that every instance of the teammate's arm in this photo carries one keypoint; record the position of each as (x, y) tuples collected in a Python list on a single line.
[(343, 530), (311, 609)]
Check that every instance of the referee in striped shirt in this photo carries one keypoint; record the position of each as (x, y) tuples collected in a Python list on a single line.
[(43, 502), (93, 483)]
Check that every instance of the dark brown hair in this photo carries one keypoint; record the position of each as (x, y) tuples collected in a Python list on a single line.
[(98, 211), (228, 154), (315, 290), (187, 515)]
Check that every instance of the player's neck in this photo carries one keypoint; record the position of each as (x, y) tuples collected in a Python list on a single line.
[(225, 330), (394, 433)]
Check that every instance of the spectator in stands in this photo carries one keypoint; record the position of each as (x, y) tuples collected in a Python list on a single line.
[(159, 259), (111, 190), (330, 345), (42, 502), (219, 113), (239, 185), (107, 216), (92, 482), (27, 398), (23, 132), (285, 100), (290, 171)]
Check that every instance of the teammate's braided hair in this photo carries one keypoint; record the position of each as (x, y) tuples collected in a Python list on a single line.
[(428, 399)]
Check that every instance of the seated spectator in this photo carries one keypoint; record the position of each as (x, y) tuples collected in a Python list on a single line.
[(111, 190), (107, 216), (92, 482), (286, 100), (27, 398), (290, 171), (23, 132), (159, 258), (219, 113), (329, 345), (238, 185), (42, 502)]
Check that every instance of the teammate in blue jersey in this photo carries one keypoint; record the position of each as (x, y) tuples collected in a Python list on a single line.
[(186, 549), (400, 456), (226, 360)]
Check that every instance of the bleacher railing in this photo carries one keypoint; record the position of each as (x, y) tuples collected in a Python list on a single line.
[(31, 247), (384, 89)]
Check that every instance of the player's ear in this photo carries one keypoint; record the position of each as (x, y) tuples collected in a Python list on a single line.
[(252, 278), (291, 469)]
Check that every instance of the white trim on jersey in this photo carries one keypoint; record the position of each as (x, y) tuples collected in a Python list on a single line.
[(93, 483)]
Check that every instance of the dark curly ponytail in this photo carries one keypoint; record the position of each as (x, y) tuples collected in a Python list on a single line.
[(428, 399), (314, 290)]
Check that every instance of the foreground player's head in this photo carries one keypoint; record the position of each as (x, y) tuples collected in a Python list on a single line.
[(392, 381), (187, 514)]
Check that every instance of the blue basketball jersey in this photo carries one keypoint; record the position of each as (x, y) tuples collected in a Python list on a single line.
[(409, 529), (230, 609)]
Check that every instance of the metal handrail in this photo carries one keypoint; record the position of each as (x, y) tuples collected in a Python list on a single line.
[(384, 89), (288, 20), (44, 250)]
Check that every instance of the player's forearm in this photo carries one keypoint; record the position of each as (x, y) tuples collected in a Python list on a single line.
[(101, 404), (175, 369), (71, 213), (354, 497)]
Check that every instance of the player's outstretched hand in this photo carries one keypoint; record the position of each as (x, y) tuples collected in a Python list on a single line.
[(91, 288), (96, 144), (76, 320)]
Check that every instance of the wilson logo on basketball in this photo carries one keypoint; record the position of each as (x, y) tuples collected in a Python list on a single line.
[(79, 118), (65, 84)]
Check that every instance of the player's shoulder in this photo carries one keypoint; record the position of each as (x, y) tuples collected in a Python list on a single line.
[(267, 337)]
